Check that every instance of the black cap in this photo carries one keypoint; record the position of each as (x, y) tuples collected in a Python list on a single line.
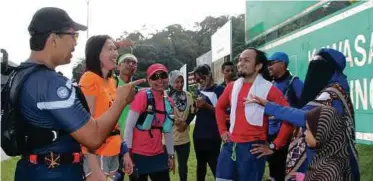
[(50, 19), (202, 69)]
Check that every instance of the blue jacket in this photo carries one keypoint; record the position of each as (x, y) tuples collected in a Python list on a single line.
[(291, 87)]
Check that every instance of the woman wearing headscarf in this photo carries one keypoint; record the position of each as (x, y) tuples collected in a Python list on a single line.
[(325, 85), (327, 136), (149, 120), (184, 114)]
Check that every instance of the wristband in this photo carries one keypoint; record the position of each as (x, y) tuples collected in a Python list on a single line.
[(123, 148)]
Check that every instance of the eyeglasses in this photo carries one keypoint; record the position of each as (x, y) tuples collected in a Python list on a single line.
[(162, 75), (72, 34), (130, 62)]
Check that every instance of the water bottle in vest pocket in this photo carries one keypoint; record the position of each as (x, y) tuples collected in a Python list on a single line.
[(168, 124), (169, 117), (147, 124)]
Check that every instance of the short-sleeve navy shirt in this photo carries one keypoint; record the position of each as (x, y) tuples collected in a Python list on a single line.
[(49, 100), (206, 126)]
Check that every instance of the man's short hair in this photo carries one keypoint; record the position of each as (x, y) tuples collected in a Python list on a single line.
[(228, 63), (37, 42)]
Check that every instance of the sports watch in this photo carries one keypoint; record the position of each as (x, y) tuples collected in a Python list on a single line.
[(272, 146)]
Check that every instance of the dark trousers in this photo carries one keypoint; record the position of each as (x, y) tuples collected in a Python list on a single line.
[(182, 154), (156, 176), (207, 152), (277, 162)]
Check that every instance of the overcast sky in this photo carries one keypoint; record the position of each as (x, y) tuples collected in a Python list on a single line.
[(106, 17)]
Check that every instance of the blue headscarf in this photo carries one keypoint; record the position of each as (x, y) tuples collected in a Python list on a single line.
[(338, 76), (326, 68)]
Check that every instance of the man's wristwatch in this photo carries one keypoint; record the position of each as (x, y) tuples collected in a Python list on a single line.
[(171, 157), (272, 146)]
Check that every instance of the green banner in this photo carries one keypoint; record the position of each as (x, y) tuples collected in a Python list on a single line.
[(351, 32), (263, 15)]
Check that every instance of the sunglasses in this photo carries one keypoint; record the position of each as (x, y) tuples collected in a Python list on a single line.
[(273, 62), (73, 35), (162, 75)]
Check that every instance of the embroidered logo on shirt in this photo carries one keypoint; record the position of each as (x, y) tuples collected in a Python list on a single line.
[(62, 92)]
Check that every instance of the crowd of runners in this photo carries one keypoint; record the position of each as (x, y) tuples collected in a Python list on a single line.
[(105, 126)]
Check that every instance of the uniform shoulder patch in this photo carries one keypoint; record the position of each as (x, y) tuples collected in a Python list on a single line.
[(62, 92)]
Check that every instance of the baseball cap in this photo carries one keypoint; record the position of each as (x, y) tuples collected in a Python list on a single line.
[(202, 69), (50, 19), (279, 56), (154, 68), (125, 57)]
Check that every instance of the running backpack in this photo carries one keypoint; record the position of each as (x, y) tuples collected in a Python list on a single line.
[(12, 127), (18, 136)]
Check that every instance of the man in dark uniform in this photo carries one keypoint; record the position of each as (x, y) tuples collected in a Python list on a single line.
[(227, 69), (47, 100), (292, 88)]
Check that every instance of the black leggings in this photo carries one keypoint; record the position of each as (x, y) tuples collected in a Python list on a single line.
[(207, 152), (156, 176), (182, 153)]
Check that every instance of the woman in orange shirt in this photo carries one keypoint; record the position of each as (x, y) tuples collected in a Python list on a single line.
[(99, 89)]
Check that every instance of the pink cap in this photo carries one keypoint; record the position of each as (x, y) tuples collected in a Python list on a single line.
[(154, 68)]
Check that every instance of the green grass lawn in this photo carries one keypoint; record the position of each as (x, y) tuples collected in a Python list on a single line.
[(365, 162)]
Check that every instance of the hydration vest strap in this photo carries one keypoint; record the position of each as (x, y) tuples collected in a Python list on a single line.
[(144, 124), (150, 100), (167, 106), (160, 112)]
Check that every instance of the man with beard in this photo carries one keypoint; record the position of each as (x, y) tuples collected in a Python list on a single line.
[(291, 87), (245, 148)]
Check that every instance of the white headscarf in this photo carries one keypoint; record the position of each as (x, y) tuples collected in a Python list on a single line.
[(173, 76)]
